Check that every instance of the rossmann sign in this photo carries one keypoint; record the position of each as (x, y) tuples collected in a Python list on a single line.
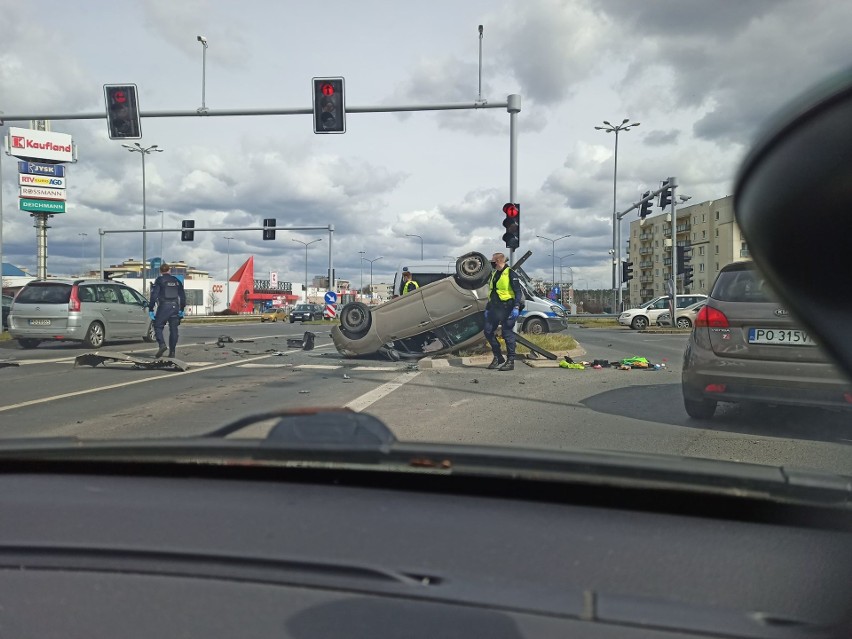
[(40, 145)]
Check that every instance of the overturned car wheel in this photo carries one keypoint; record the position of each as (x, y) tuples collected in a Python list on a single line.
[(472, 270), (355, 319)]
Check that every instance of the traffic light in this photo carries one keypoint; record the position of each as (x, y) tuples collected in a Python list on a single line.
[(329, 105), (122, 111), (684, 257), (269, 233), (665, 194), (626, 272), (645, 207), (187, 235), (512, 224)]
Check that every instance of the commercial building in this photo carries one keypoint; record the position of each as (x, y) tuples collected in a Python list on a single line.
[(708, 227)]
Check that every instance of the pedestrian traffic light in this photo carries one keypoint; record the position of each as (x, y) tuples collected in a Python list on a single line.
[(684, 257), (687, 276), (626, 272), (187, 234), (122, 111), (665, 194), (512, 224), (329, 105), (269, 233), (645, 207)]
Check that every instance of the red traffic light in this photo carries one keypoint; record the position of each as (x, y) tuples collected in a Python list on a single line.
[(327, 89), (510, 210), (119, 96)]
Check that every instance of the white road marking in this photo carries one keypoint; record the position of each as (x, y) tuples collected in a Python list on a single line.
[(88, 391), (324, 367), (265, 366), (367, 399), (375, 368)]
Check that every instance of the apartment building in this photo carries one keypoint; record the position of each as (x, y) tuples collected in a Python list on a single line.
[(708, 227)]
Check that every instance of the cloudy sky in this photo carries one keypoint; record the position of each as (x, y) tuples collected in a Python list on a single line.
[(699, 75)]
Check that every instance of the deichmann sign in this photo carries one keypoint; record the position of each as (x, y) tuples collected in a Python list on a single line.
[(41, 206), (34, 168), (40, 145), (41, 180), (43, 193)]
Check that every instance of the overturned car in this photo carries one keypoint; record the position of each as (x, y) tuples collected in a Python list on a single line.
[(440, 317)]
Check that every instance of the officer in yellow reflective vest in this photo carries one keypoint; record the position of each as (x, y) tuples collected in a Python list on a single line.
[(408, 284), (504, 307)]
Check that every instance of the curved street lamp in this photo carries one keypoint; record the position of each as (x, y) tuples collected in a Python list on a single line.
[(307, 244), (372, 293), (143, 151), (421, 243), (553, 252)]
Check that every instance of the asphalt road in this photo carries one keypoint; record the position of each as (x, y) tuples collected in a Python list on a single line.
[(604, 409)]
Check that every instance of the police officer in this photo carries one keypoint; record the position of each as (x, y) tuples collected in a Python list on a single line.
[(408, 284), (168, 295), (504, 307)]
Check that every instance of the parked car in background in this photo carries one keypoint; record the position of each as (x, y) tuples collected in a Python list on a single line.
[(746, 347), (440, 317), (685, 317), (646, 314), (273, 315), (306, 312), (88, 311)]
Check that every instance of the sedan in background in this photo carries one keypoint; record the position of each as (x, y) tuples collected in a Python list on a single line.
[(745, 347), (685, 316), (306, 313), (273, 315)]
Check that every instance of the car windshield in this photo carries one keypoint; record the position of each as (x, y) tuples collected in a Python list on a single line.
[(301, 154)]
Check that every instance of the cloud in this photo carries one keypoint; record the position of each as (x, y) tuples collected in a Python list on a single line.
[(661, 138)]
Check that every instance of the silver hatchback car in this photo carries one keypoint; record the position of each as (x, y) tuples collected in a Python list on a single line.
[(746, 347), (88, 311)]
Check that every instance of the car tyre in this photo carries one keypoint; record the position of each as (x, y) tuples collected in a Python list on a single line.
[(94, 335), (639, 323), (28, 343), (472, 270), (535, 326), (355, 319), (150, 336), (684, 322), (700, 408)]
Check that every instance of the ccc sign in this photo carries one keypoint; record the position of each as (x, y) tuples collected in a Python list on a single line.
[(218, 288)]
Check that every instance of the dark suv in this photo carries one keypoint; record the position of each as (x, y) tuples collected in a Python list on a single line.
[(306, 312), (746, 347), (88, 311)]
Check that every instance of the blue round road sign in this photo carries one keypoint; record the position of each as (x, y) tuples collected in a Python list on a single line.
[(330, 297)]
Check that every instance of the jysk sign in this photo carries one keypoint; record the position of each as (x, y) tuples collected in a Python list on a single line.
[(34, 168), (40, 145), (41, 206)]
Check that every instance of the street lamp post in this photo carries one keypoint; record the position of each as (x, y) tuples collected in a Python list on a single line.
[(361, 268), (203, 42), (421, 243), (616, 226), (83, 237), (307, 244), (228, 274), (372, 293), (553, 254), (561, 284), (143, 151), (162, 226)]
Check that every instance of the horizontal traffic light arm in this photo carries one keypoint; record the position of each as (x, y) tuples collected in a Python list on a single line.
[(649, 198), (219, 229), (212, 113)]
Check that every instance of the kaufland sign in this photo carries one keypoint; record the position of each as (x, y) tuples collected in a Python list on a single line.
[(40, 145)]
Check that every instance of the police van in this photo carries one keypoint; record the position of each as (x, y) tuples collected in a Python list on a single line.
[(539, 315)]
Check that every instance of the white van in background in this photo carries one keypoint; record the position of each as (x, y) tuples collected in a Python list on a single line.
[(539, 315)]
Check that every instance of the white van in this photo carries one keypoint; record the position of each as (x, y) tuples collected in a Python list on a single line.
[(539, 315)]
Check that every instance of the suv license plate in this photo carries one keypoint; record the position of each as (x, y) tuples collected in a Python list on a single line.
[(39, 322), (781, 337)]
